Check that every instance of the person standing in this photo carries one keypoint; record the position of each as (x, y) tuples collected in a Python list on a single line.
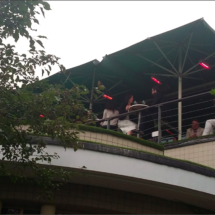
[(124, 123), (110, 111)]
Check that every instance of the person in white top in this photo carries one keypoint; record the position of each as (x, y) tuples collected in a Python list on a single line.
[(110, 111), (210, 125), (125, 124)]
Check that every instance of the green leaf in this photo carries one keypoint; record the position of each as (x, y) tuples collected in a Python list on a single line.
[(8, 53), (58, 98), (48, 72), (36, 21), (42, 36), (39, 42), (101, 87), (212, 92), (46, 6), (42, 11), (16, 36), (24, 8), (17, 78)]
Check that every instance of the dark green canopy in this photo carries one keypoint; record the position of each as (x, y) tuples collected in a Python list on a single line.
[(89, 74), (167, 56), (172, 57)]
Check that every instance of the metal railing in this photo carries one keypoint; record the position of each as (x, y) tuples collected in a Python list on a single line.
[(161, 116)]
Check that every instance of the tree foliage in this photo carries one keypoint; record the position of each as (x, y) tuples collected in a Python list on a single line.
[(26, 115), (212, 92)]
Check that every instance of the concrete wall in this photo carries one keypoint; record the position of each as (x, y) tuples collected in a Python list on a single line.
[(202, 153), (132, 174), (85, 199), (110, 140), (121, 172), (131, 167), (116, 141)]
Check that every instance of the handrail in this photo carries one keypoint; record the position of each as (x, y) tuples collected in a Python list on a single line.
[(157, 105)]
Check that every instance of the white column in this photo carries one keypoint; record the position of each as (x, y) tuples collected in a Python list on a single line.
[(179, 108), (180, 93), (48, 209)]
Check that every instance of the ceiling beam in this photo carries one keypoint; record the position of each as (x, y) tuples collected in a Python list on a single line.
[(167, 75), (109, 89), (156, 64), (195, 89), (187, 51), (165, 57), (198, 63), (198, 70)]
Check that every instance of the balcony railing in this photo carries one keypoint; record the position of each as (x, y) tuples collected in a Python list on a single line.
[(197, 106)]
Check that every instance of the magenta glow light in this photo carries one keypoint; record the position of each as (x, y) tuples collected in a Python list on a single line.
[(155, 80), (41, 115), (107, 97), (204, 65)]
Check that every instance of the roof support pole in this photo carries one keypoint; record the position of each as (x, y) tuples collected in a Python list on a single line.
[(166, 75), (180, 69), (109, 89), (155, 64), (198, 63), (83, 96), (92, 89), (115, 94), (199, 70), (180, 94), (165, 57), (179, 108), (199, 51), (187, 50), (166, 54), (84, 99)]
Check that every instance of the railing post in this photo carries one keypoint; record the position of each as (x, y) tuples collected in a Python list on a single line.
[(108, 124), (159, 124), (179, 108), (138, 124)]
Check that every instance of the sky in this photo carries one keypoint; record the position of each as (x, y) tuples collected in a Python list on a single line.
[(80, 31)]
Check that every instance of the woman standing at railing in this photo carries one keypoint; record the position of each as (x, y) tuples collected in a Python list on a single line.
[(124, 123), (110, 111)]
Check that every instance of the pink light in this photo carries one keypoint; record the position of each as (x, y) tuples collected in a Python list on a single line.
[(204, 65), (41, 115), (155, 80), (169, 132), (107, 97)]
